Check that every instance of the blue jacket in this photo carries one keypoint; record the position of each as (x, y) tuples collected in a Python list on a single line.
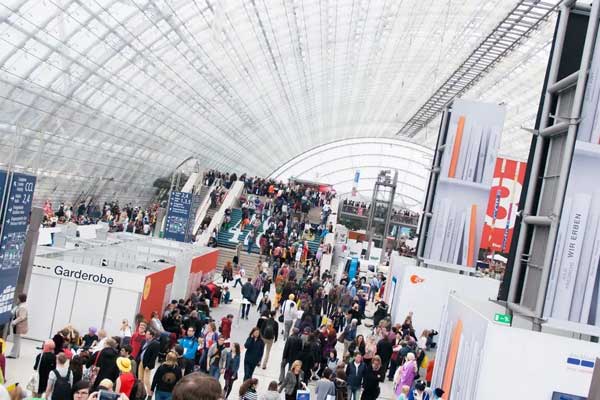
[(232, 363), (190, 347), (350, 333), (355, 376)]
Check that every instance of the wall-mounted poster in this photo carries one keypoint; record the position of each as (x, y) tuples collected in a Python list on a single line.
[(503, 204)]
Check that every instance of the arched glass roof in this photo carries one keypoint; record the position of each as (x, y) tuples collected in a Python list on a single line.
[(108, 95), (336, 164)]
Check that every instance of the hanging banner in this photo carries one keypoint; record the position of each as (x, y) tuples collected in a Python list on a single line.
[(19, 198), (355, 183), (503, 204), (178, 216)]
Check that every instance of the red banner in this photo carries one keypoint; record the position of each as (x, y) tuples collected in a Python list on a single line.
[(503, 205)]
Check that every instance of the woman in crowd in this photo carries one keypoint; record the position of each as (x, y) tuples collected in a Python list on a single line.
[(254, 351), (248, 389), (106, 362), (166, 377), (126, 378), (125, 332), (405, 375), (227, 272), (45, 362), (293, 381), (272, 392), (358, 345), (232, 367)]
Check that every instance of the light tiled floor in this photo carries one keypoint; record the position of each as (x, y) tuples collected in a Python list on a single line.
[(20, 370)]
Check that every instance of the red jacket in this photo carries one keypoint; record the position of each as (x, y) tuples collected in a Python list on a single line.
[(226, 327)]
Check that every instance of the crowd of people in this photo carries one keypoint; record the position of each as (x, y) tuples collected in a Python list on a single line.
[(128, 218), (318, 319), (363, 208)]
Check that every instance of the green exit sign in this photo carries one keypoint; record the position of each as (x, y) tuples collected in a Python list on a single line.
[(503, 318)]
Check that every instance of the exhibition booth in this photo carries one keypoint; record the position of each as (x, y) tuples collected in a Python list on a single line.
[(424, 291), (65, 289), (479, 358)]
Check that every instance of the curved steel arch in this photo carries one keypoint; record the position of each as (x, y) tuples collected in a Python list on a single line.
[(305, 154)]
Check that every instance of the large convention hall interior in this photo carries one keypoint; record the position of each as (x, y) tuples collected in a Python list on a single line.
[(299, 199)]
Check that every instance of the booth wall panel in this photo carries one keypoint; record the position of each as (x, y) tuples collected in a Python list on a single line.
[(40, 302), (64, 305), (122, 304), (157, 291), (90, 303)]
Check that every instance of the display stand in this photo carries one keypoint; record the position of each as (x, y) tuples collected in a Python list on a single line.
[(544, 281), (424, 291), (459, 184), (479, 358)]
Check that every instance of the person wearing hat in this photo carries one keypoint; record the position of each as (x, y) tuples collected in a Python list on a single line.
[(288, 310), (126, 379)]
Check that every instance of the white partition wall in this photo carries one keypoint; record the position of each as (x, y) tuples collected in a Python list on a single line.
[(424, 291), (478, 358)]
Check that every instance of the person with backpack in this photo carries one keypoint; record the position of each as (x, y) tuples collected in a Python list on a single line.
[(269, 332), (248, 296), (60, 380), (165, 378)]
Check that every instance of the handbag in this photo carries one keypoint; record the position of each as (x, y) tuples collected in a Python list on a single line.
[(33, 383), (92, 372)]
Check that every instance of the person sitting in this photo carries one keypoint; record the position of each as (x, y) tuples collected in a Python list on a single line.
[(226, 296)]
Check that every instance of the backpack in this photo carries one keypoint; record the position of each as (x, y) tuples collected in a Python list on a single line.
[(268, 330), (62, 388)]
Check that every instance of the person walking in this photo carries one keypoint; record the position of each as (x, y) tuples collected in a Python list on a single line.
[(106, 362), (349, 336), (19, 325), (165, 378), (325, 386), (232, 367), (148, 356), (45, 363), (269, 333), (60, 381), (355, 373), (248, 297), (291, 352), (288, 310), (254, 351), (293, 381), (215, 362)]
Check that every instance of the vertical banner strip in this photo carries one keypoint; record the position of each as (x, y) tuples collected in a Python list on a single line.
[(456, 148)]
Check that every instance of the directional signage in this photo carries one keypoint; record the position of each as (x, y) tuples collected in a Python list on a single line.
[(503, 318), (178, 216), (17, 207)]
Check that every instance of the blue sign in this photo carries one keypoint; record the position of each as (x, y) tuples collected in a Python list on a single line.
[(178, 216), (356, 176), (17, 208)]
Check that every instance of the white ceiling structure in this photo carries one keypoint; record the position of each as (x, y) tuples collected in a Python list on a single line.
[(108, 95)]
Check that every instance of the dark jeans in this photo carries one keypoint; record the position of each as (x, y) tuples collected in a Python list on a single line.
[(188, 365), (245, 310), (249, 368)]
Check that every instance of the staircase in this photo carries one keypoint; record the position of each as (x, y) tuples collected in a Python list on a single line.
[(249, 261), (230, 238)]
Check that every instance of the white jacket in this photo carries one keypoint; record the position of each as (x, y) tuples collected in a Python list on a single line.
[(289, 310)]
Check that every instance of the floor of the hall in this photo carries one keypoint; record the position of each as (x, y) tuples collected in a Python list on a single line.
[(20, 370)]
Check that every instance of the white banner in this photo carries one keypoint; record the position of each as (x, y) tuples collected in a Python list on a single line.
[(88, 274)]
